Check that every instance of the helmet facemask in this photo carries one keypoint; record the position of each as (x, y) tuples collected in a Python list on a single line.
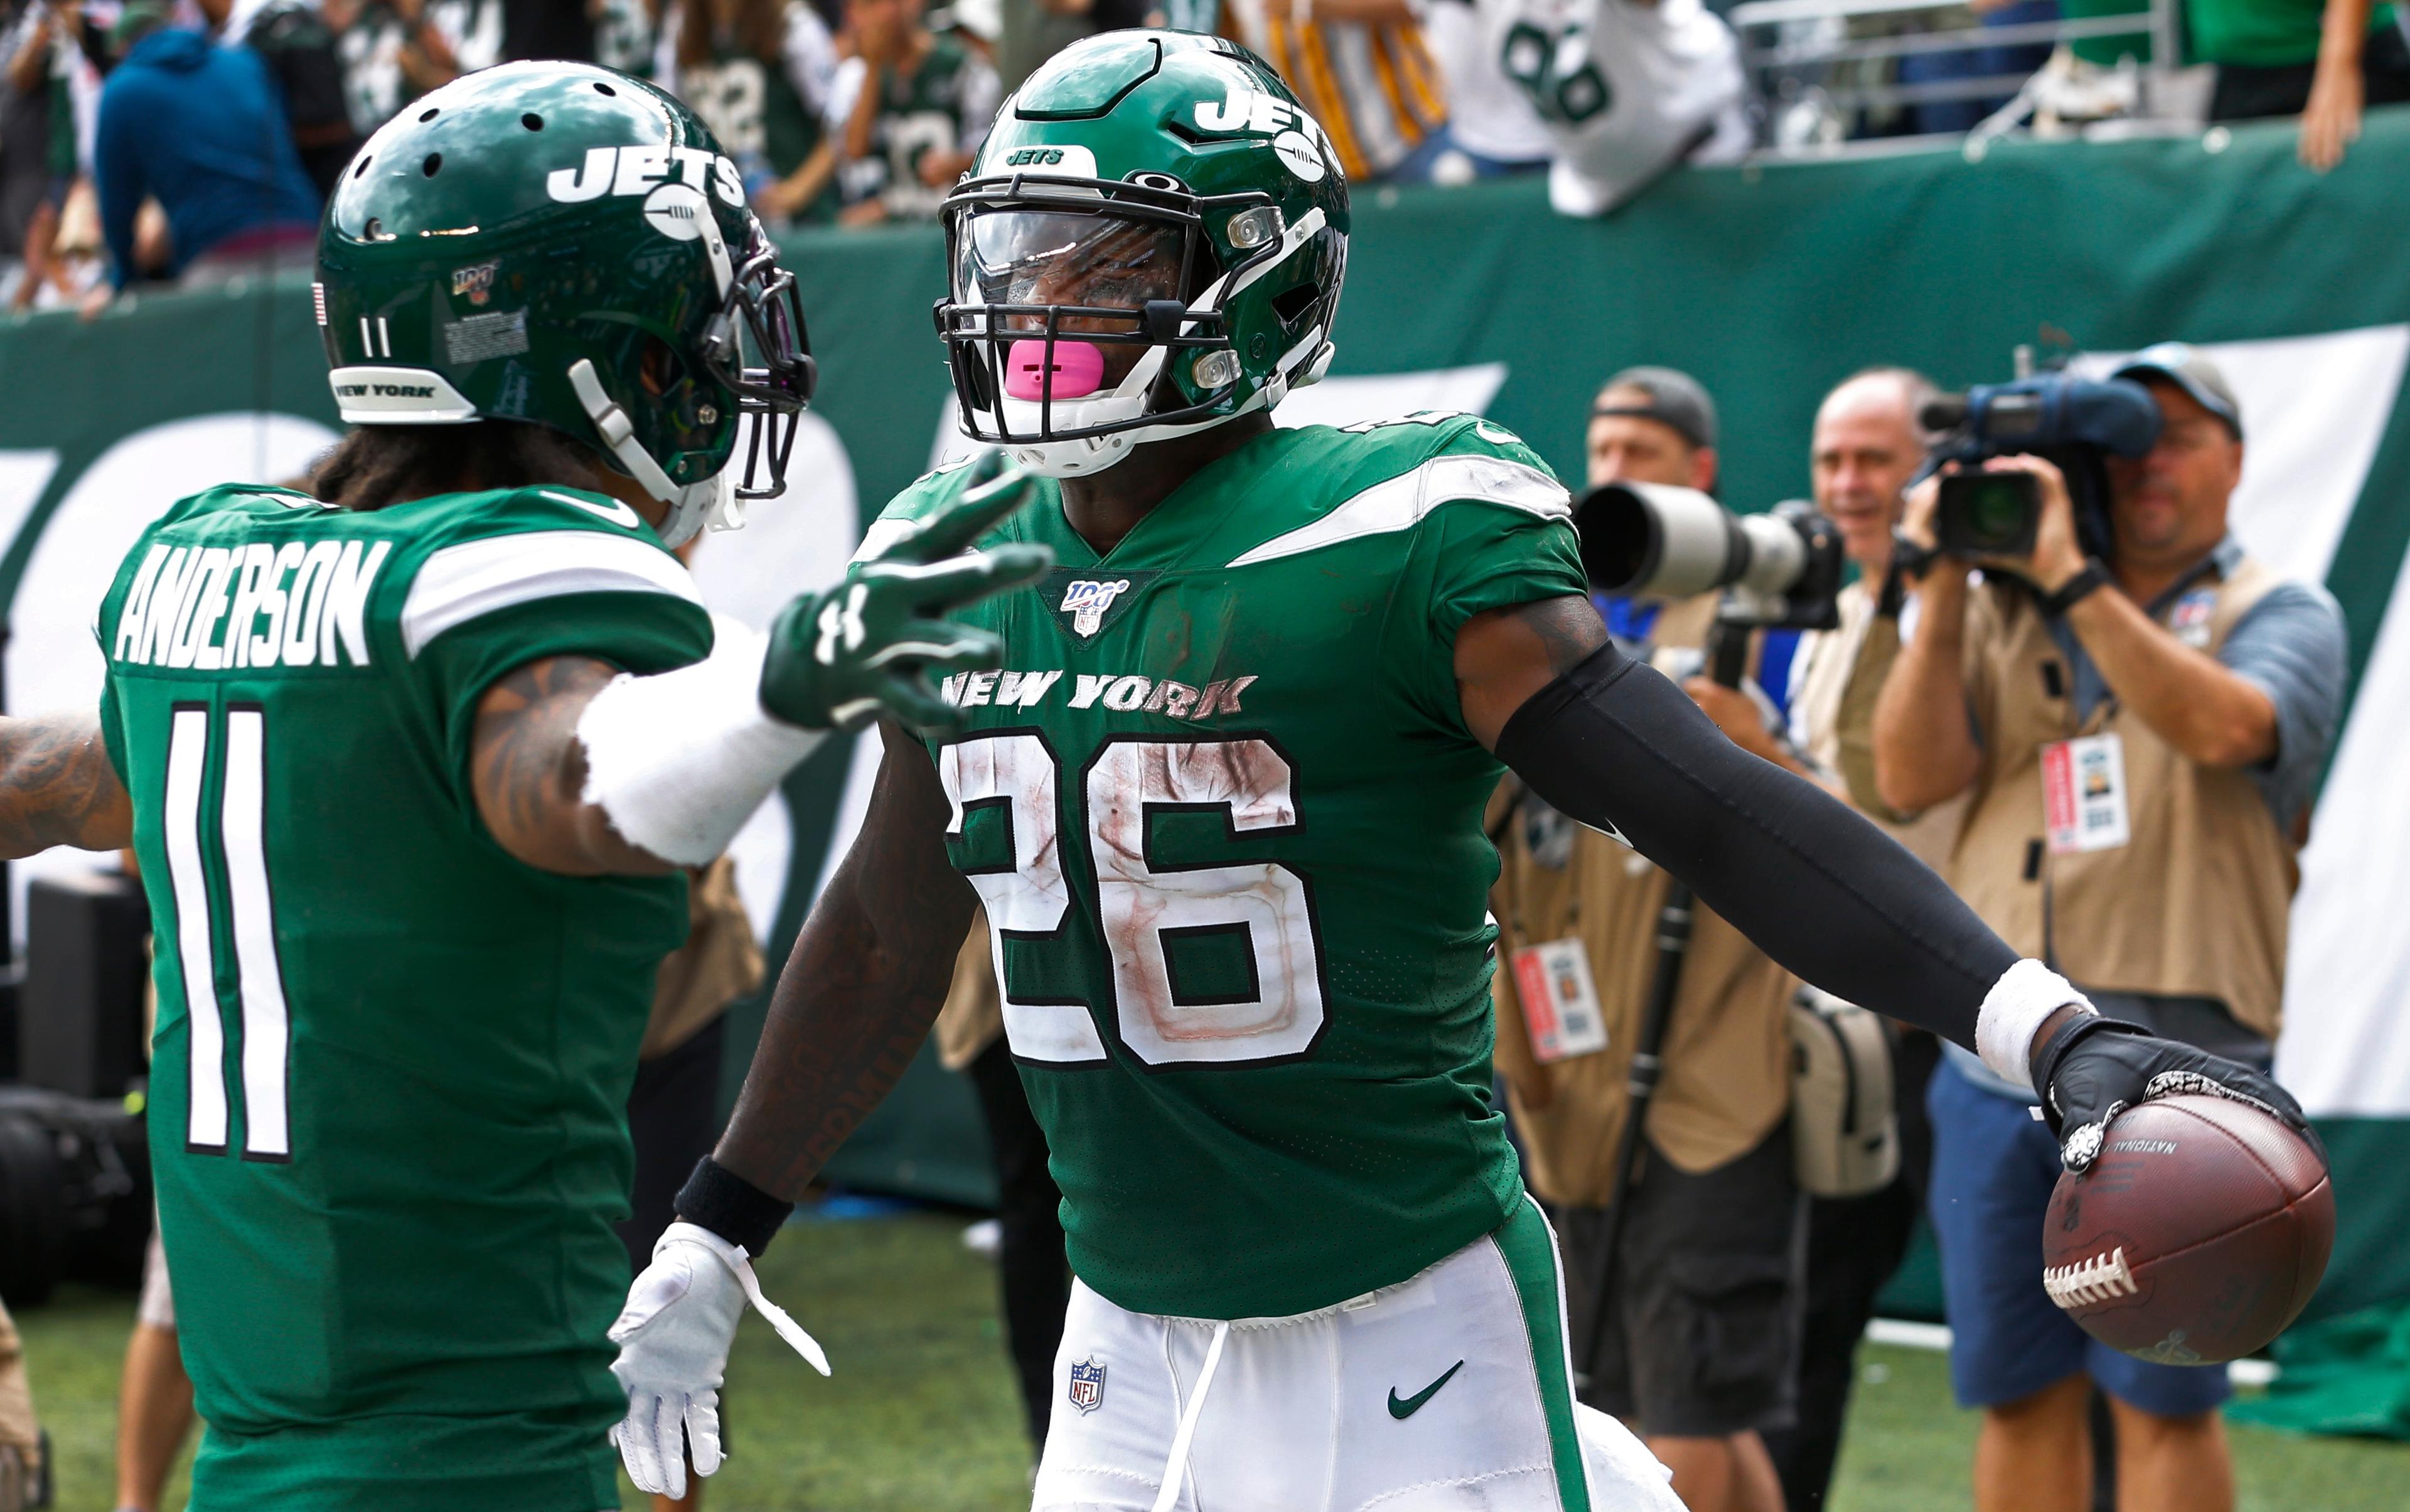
[(1087, 316), (759, 310), (763, 304)]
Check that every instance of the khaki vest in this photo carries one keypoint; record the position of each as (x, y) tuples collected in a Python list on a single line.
[(1727, 1078), (2195, 905), (720, 962), (973, 1017), (1841, 670)]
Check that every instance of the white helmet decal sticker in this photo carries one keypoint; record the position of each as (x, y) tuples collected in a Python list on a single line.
[(1247, 107), (1298, 152), (639, 169), (677, 210)]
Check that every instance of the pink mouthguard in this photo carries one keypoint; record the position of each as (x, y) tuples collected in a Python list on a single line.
[(1078, 369)]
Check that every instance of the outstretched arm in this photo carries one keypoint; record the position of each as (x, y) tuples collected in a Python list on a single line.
[(527, 770), (868, 974), (580, 770), (1816, 887), (1611, 743), (58, 788)]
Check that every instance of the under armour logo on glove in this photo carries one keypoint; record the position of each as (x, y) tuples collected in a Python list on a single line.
[(844, 620), (866, 647)]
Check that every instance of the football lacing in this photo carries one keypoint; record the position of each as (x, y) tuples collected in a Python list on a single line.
[(2099, 1279)]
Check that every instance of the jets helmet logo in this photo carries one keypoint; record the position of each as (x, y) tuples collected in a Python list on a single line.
[(1088, 1385), (1295, 135), (1086, 599), (640, 170)]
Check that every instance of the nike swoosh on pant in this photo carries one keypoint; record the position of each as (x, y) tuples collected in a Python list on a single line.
[(1407, 1408)]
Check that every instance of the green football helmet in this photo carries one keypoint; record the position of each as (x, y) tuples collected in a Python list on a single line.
[(562, 244), (1151, 243)]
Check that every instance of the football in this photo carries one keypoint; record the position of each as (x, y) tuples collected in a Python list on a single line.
[(2196, 1237)]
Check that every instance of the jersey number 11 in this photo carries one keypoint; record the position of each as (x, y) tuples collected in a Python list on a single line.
[(250, 924)]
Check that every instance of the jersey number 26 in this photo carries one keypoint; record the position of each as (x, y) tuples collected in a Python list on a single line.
[(1144, 907)]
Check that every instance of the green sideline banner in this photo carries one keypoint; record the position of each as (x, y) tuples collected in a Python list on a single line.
[(1769, 284)]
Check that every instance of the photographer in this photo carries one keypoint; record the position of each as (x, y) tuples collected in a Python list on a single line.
[(1699, 1349), (2140, 737), (1865, 448)]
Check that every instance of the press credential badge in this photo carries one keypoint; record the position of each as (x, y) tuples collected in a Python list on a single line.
[(1560, 1001), (2084, 793)]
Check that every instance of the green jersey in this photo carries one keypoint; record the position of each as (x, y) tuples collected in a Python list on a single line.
[(1225, 818), (2263, 34), (391, 1060)]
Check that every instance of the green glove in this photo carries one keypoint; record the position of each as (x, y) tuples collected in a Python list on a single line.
[(866, 646)]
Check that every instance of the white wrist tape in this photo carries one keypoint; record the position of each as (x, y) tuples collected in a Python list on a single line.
[(2026, 994), (680, 760)]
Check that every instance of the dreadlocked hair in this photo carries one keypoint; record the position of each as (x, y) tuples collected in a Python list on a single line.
[(379, 465)]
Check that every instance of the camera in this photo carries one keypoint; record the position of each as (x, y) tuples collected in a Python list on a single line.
[(2075, 423), (1988, 514), (1779, 570)]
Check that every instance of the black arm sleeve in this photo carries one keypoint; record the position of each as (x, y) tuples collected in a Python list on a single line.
[(1814, 885)]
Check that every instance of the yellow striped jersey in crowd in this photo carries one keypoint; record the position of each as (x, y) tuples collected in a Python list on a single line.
[(1373, 85)]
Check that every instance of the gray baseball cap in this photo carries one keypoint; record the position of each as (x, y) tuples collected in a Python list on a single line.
[(1674, 399), (2189, 368)]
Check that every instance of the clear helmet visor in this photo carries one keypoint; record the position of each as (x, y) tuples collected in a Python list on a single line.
[(1060, 295), (1071, 258)]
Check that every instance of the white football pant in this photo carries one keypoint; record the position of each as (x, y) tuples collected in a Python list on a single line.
[(1448, 1392)]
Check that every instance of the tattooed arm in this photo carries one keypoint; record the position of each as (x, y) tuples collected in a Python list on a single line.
[(58, 788), (528, 769), (866, 979)]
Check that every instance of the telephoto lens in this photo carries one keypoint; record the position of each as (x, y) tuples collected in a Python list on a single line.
[(1655, 541)]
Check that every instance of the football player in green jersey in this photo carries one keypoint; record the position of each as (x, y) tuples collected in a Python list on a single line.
[(1222, 801), (412, 766)]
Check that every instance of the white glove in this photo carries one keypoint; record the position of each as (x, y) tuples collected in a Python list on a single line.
[(673, 1336)]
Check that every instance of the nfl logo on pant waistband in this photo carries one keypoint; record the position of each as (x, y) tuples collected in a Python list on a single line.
[(1088, 1385)]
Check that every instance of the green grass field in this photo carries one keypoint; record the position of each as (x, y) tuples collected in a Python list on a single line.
[(920, 1414)]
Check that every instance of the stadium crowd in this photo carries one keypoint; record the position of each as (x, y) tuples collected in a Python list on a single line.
[(195, 139)]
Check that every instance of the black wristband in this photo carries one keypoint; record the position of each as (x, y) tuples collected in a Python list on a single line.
[(2075, 589), (717, 1199)]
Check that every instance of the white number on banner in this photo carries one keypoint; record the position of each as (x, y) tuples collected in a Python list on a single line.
[(1142, 909), (251, 921)]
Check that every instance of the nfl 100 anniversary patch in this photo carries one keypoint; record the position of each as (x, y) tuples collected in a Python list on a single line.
[(1085, 599), (1088, 1383)]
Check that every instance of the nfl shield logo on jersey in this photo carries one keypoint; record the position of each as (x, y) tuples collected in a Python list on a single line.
[(1086, 600), (1088, 1385)]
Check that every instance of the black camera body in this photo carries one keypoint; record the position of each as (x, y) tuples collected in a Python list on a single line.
[(2076, 424), (1988, 514)]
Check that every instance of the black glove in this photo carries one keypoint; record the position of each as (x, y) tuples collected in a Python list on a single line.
[(2094, 1069)]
